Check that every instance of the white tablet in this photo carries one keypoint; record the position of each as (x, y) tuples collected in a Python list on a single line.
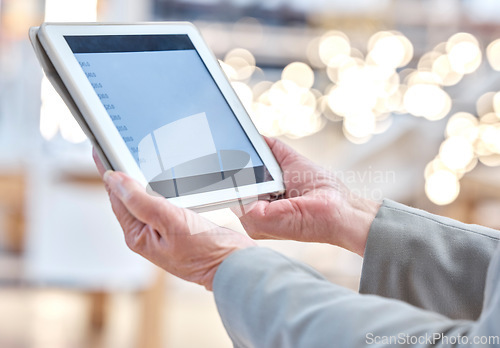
[(154, 101)]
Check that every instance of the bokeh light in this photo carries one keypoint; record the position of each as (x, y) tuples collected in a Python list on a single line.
[(242, 62), (442, 67), (390, 49), (490, 137), (360, 125), (493, 54), (366, 89), (464, 53), (427, 100), (442, 187), (333, 44), (312, 53), (299, 73), (484, 104), (463, 124), (456, 152), (469, 140)]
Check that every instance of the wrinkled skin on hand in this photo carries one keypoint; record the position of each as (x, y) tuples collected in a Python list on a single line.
[(317, 207), (178, 240)]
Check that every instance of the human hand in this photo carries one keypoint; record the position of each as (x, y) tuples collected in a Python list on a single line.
[(178, 240), (317, 207)]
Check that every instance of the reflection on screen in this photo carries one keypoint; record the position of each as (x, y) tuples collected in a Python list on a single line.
[(170, 112)]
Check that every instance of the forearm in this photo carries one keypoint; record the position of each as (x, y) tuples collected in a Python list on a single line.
[(428, 261), (268, 300)]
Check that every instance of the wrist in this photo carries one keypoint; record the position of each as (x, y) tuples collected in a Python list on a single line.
[(208, 278), (360, 215)]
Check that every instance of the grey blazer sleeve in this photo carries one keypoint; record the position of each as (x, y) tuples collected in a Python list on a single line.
[(429, 261), (267, 300)]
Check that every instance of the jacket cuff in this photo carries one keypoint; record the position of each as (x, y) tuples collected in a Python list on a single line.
[(415, 256)]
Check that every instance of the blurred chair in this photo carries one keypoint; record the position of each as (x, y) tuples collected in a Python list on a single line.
[(12, 187)]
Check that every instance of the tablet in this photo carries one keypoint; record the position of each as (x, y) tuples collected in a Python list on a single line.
[(156, 104)]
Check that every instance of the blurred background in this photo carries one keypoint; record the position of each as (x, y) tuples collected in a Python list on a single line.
[(399, 98)]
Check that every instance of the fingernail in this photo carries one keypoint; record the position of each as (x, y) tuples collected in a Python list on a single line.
[(107, 176), (115, 183)]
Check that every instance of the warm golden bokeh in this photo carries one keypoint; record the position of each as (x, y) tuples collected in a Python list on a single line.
[(442, 187)]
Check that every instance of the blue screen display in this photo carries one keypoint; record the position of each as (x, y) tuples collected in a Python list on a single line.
[(169, 111)]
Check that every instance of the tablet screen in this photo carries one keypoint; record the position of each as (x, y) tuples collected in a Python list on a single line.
[(170, 112)]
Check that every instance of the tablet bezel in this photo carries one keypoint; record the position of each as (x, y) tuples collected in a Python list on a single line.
[(51, 36)]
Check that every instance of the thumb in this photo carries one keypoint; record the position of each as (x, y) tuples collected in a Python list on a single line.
[(254, 220), (134, 197), (156, 211), (280, 150)]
